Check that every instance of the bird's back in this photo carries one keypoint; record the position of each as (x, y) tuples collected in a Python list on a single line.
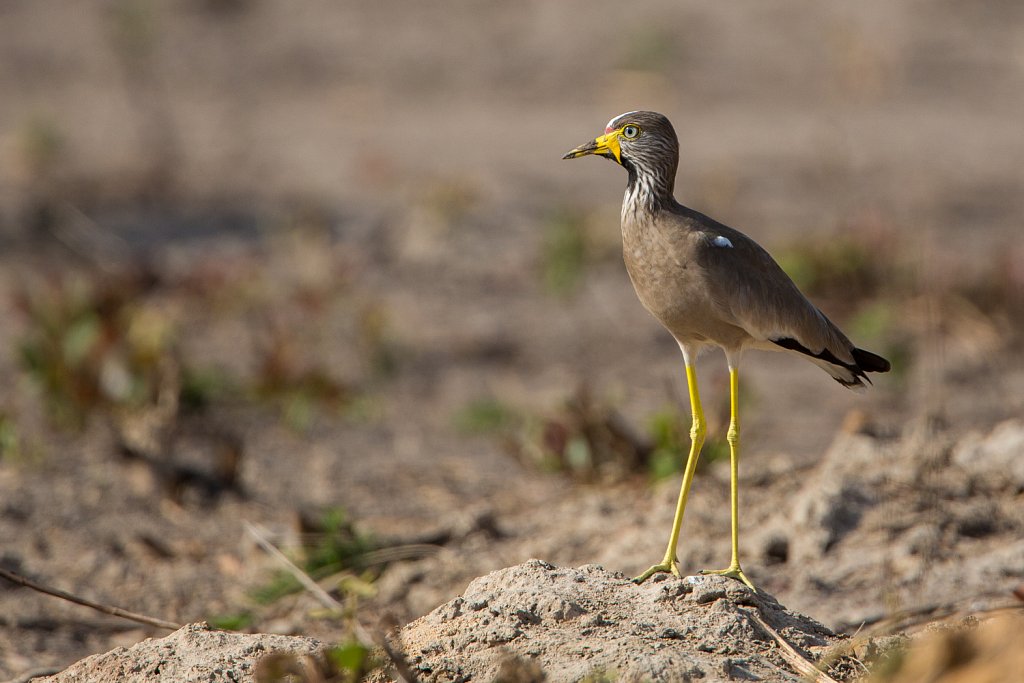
[(709, 283)]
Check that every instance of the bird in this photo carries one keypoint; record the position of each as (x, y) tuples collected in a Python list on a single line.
[(710, 285)]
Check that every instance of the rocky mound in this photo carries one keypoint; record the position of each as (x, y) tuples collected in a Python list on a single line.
[(537, 622)]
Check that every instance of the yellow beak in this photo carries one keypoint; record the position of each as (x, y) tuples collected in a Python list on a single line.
[(606, 146)]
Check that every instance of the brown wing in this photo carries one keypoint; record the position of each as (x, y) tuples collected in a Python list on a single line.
[(750, 290)]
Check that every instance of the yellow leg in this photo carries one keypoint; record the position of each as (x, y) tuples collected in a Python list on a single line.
[(697, 432), (734, 569)]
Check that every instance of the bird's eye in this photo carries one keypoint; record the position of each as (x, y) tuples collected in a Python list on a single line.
[(631, 131)]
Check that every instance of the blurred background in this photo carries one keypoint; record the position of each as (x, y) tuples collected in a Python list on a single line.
[(318, 266)]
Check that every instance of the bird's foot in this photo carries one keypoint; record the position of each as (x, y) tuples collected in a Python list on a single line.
[(733, 572), (669, 566)]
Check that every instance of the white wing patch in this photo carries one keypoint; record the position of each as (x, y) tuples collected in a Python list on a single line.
[(722, 242)]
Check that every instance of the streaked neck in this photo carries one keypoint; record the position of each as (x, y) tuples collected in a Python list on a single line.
[(648, 191)]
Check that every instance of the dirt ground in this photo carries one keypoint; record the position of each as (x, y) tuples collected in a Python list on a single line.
[(268, 264)]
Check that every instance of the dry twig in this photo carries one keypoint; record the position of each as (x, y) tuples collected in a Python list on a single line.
[(106, 609), (907, 620), (258, 534), (801, 664), (365, 638)]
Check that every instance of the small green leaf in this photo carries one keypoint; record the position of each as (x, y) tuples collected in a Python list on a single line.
[(231, 622), (349, 657)]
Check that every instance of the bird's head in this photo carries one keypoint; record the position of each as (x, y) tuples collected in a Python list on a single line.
[(645, 144), (641, 139)]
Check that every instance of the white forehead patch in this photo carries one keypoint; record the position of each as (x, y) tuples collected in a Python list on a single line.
[(609, 128), (721, 241)]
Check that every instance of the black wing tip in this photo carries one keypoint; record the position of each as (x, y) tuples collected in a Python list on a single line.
[(871, 362), (863, 362)]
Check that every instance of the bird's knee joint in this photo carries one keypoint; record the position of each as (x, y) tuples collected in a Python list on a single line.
[(698, 431), (733, 436)]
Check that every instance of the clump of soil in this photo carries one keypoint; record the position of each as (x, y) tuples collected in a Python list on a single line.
[(560, 624), (192, 653)]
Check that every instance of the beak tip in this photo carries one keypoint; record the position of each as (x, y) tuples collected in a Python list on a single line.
[(583, 150)]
